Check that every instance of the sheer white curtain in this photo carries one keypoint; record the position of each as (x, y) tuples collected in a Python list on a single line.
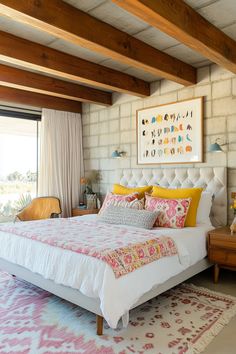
[(61, 157)]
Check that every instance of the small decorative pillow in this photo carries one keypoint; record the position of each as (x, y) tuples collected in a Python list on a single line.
[(125, 201), (171, 212), (182, 193), (122, 216)]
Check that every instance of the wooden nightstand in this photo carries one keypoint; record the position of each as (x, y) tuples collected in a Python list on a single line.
[(222, 250), (80, 212)]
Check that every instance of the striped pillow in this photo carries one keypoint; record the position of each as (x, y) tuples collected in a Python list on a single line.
[(124, 201), (139, 218)]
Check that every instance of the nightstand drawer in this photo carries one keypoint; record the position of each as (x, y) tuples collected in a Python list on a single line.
[(81, 212), (226, 242), (222, 249), (222, 256)]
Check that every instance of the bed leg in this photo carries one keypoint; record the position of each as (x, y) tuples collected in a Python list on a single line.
[(99, 325)]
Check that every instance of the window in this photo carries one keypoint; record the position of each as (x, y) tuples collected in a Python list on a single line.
[(18, 164)]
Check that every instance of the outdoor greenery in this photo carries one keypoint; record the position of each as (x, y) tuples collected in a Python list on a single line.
[(17, 176), (16, 192), (15, 187), (9, 209)]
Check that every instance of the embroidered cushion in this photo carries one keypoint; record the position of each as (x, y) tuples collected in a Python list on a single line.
[(119, 189), (171, 212), (139, 218), (125, 201), (193, 193)]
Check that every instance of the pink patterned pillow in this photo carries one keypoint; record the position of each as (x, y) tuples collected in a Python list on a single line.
[(172, 212), (125, 201)]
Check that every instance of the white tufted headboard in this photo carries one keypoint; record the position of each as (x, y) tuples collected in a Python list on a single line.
[(213, 179)]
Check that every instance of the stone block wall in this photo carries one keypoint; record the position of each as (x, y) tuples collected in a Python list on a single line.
[(105, 129)]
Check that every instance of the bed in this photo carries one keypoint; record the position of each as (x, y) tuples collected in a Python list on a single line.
[(92, 284)]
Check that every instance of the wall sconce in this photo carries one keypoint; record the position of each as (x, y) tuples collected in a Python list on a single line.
[(117, 154), (216, 147)]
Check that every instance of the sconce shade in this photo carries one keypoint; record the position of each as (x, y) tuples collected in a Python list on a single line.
[(118, 154), (215, 148)]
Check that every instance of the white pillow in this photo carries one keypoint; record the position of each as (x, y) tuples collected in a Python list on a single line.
[(204, 208)]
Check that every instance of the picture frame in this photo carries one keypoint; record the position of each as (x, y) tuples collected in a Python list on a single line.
[(170, 133)]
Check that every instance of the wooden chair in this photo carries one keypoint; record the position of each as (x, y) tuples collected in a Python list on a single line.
[(40, 208)]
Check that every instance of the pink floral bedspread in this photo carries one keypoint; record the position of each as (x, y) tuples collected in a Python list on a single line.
[(124, 249)]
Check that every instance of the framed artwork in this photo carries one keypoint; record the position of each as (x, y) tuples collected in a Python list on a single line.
[(171, 133)]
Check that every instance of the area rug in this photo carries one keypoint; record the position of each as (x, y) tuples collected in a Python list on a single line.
[(182, 320)]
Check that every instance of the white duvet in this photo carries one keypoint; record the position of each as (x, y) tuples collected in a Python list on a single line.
[(95, 278)]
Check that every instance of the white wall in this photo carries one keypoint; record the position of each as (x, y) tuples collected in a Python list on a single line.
[(104, 129)]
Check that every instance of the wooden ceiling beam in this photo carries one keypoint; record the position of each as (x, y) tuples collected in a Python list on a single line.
[(10, 94), (29, 81), (66, 22), (180, 21), (19, 51)]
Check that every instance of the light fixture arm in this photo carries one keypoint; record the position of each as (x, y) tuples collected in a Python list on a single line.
[(218, 141)]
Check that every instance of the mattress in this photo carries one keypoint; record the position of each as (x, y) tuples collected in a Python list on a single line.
[(95, 278)]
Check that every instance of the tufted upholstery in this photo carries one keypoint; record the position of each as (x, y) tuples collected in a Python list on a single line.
[(213, 179)]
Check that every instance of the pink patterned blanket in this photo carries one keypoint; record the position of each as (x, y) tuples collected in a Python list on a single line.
[(124, 249)]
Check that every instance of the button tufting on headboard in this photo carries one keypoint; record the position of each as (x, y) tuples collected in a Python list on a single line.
[(213, 179)]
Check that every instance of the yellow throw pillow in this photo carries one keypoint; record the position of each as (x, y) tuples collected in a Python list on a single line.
[(193, 193), (119, 189)]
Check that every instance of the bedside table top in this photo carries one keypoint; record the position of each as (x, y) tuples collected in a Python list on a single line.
[(222, 231), (222, 235)]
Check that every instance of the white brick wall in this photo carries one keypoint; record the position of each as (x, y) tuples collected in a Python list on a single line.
[(105, 129), (221, 89)]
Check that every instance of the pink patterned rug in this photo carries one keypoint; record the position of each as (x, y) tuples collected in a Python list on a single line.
[(182, 320)]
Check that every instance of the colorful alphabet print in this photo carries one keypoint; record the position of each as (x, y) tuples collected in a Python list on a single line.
[(170, 133)]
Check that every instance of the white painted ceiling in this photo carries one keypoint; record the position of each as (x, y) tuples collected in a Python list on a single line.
[(221, 13)]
